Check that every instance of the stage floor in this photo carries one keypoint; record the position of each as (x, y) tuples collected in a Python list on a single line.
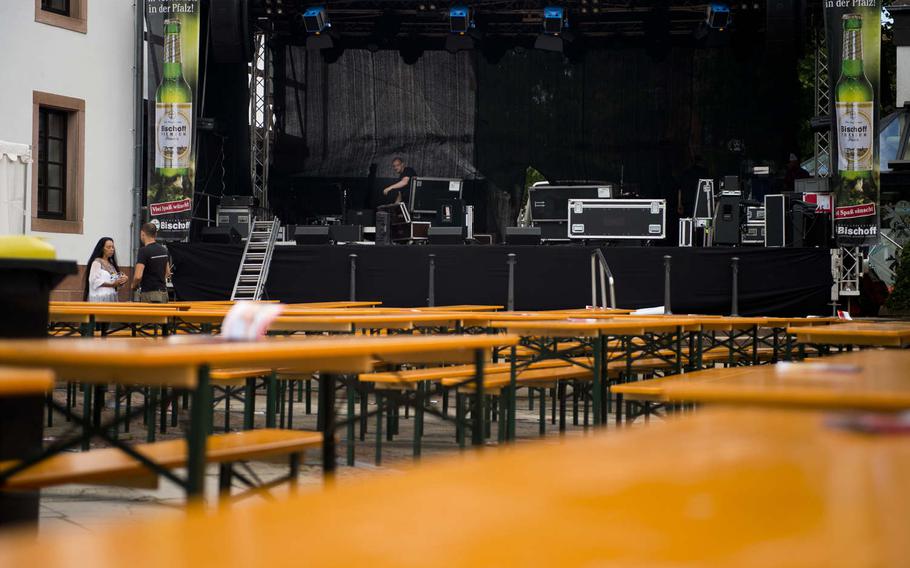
[(786, 282)]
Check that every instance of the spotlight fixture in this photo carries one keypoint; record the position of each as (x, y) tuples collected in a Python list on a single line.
[(718, 16), (315, 20), (554, 19), (460, 19)]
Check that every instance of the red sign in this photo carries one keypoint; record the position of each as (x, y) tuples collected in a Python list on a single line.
[(855, 211), (170, 207)]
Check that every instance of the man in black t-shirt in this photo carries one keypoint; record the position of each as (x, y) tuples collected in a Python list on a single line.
[(153, 267), (400, 191)]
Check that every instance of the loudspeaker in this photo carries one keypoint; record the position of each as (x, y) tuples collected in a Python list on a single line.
[(450, 213), (383, 228), (345, 233), (312, 235), (446, 235), (731, 183), (232, 40), (362, 217), (728, 220), (224, 235), (522, 235), (778, 226)]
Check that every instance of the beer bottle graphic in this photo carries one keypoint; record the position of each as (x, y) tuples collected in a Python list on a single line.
[(173, 109), (853, 101)]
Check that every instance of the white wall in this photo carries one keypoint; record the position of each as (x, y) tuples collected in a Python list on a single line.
[(96, 67)]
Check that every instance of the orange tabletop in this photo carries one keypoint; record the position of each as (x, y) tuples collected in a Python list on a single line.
[(593, 327), (344, 304), (890, 334), (872, 380), (742, 487), (20, 382), (174, 362)]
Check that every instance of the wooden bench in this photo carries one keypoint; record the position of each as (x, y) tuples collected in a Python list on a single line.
[(111, 466)]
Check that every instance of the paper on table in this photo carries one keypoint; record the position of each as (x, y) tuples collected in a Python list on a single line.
[(655, 311), (249, 320)]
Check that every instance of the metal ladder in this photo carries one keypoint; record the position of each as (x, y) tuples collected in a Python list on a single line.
[(257, 257)]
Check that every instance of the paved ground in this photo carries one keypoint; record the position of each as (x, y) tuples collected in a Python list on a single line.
[(92, 507)]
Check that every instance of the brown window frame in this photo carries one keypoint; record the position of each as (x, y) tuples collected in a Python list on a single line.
[(75, 20), (72, 218), (42, 163)]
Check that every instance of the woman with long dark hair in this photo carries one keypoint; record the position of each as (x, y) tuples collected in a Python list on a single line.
[(102, 275)]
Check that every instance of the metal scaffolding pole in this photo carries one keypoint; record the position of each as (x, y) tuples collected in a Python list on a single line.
[(260, 116)]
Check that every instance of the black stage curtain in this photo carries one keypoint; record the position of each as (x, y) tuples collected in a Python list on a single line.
[(369, 107), (786, 282)]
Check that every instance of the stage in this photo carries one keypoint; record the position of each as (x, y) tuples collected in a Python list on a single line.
[(779, 282)]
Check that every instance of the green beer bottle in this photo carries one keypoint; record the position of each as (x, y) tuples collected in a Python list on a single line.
[(853, 101), (173, 109)]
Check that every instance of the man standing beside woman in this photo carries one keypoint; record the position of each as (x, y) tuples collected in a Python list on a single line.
[(103, 278)]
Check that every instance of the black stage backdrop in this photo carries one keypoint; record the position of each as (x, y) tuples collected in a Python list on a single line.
[(785, 282)]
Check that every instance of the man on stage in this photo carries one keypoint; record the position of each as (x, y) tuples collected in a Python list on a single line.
[(400, 190)]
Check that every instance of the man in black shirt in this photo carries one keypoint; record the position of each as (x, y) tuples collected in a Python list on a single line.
[(153, 267), (400, 190)]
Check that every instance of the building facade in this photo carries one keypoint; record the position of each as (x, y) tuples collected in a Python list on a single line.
[(68, 91)]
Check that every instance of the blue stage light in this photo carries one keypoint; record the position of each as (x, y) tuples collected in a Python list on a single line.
[(316, 20)]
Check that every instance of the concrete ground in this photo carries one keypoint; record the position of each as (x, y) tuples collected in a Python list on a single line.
[(93, 507)]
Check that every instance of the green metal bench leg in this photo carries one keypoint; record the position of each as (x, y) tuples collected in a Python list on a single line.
[(227, 408), (309, 396), (270, 399), (249, 403), (459, 419), (151, 405), (418, 417), (200, 421), (290, 423), (350, 424), (364, 410), (379, 402), (543, 412)]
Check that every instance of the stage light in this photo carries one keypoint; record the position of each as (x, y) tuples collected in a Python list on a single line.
[(718, 16), (316, 20), (554, 19), (460, 19)]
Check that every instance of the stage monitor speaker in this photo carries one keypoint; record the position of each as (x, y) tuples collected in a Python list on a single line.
[(345, 233), (451, 213), (778, 226), (312, 235), (232, 39), (728, 220), (362, 217), (446, 235), (522, 235), (224, 235), (383, 228)]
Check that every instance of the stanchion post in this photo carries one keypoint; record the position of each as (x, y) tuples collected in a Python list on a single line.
[(510, 304), (667, 310), (431, 297), (353, 287), (734, 299)]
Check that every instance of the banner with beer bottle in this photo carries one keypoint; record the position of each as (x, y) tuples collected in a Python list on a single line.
[(854, 61), (173, 63)]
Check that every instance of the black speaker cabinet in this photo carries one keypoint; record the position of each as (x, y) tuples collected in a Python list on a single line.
[(522, 235), (451, 213), (345, 233), (778, 222), (312, 235), (223, 235), (362, 217), (383, 228), (446, 235), (728, 220)]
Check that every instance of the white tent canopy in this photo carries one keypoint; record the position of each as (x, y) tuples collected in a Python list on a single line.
[(14, 160)]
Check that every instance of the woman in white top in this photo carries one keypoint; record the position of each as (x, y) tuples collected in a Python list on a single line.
[(102, 276)]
